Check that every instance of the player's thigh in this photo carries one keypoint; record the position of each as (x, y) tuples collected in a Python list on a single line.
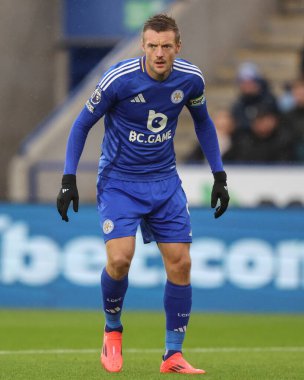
[(119, 214), (120, 252), (174, 252)]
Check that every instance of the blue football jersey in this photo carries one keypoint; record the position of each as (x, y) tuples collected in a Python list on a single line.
[(141, 117)]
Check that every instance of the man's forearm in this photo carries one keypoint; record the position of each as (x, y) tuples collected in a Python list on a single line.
[(206, 134)]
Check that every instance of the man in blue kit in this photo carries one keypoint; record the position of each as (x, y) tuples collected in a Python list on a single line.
[(138, 184)]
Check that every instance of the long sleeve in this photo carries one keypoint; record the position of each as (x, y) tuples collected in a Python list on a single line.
[(98, 104), (206, 134), (78, 134)]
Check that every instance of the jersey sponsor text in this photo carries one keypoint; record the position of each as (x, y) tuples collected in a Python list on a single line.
[(150, 139)]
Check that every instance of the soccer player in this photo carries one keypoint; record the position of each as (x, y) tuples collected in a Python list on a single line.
[(138, 184)]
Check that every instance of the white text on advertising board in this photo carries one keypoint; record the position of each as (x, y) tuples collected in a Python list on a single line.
[(246, 263)]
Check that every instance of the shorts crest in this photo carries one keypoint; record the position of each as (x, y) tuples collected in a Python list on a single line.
[(108, 226)]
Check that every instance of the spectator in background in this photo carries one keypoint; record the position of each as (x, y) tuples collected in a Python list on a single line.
[(267, 141), (254, 92), (294, 119), (286, 101), (301, 66), (225, 129)]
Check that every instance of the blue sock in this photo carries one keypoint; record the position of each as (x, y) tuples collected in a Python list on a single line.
[(113, 293), (177, 302)]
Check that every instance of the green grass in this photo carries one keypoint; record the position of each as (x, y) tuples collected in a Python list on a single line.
[(262, 347)]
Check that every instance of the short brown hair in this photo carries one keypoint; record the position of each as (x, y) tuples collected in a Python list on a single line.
[(162, 23)]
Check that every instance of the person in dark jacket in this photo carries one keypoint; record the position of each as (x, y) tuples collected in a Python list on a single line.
[(294, 119), (267, 141), (253, 92)]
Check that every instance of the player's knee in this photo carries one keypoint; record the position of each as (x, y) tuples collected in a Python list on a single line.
[(119, 265), (181, 267), (184, 265)]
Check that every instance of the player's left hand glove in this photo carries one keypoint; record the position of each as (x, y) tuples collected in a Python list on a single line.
[(67, 193), (220, 192)]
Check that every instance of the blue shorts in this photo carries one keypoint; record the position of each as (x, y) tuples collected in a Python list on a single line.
[(159, 207)]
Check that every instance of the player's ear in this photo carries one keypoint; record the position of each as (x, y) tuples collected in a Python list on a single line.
[(178, 47), (142, 43)]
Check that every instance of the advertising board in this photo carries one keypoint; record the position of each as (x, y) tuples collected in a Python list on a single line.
[(248, 260)]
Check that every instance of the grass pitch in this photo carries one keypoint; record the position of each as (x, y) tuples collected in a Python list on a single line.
[(66, 345)]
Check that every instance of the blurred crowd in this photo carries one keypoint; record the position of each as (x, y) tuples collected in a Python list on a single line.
[(260, 127)]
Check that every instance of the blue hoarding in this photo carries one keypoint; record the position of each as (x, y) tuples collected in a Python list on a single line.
[(248, 260)]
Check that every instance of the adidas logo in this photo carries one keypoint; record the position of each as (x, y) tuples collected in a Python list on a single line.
[(113, 311), (181, 329), (139, 99)]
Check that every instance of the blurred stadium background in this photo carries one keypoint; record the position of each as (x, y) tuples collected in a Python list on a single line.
[(53, 54)]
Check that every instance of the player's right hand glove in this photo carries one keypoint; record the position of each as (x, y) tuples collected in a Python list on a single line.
[(67, 193), (220, 192)]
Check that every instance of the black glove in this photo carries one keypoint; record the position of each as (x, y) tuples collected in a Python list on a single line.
[(67, 193), (220, 192)]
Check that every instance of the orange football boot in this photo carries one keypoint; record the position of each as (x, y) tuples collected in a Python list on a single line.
[(111, 354), (177, 364)]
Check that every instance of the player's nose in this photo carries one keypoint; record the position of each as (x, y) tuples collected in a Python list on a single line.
[(159, 51)]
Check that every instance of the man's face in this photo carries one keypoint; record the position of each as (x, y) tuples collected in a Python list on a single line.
[(263, 126), (250, 87), (160, 49)]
